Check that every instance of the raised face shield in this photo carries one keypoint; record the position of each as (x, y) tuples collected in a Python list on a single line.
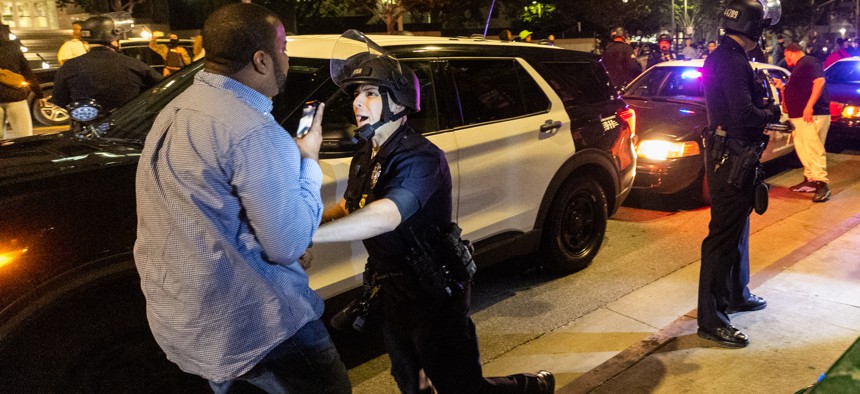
[(772, 11)]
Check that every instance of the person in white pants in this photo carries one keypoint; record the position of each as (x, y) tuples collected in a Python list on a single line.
[(808, 105)]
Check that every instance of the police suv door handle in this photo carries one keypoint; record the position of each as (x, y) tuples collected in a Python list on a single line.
[(550, 126)]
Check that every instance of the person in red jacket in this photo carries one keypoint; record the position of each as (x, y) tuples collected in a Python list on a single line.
[(841, 52)]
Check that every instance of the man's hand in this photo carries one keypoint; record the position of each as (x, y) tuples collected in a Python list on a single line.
[(43, 102), (306, 260), (309, 145), (807, 114), (777, 83)]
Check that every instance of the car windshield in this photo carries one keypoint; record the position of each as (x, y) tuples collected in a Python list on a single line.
[(843, 72), (668, 82), (133, 120)]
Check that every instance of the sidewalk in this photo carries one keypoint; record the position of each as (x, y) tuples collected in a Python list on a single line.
[(808, 269)]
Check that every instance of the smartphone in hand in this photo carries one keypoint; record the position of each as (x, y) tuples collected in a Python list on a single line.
[(308, 112)]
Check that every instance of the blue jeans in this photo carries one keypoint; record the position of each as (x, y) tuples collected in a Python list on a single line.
[(307, 362)]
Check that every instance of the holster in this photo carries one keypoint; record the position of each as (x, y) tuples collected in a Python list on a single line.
[(761, 191), (441, 261), (362, 309), (744, 161)]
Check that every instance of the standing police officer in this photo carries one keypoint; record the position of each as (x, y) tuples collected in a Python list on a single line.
[(619, 59), (398, 200), (737, 115), (102, 74)]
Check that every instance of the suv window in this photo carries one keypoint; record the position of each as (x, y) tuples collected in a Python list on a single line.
[(491, 90), (577, 83)]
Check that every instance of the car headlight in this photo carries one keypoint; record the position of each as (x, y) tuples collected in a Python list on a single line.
[(662, 150)]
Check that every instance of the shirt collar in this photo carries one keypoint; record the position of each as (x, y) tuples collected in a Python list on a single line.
[(733, 45), (250, 96)]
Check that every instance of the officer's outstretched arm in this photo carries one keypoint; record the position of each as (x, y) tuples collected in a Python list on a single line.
[(378, 217)]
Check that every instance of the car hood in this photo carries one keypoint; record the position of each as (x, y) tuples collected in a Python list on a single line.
[(844, 93), (50, 154), (676, 120)]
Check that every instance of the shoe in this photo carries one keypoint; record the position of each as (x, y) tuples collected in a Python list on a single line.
[(822, 192), (806, 186), (545, 381), (754, 303), (726, 336)]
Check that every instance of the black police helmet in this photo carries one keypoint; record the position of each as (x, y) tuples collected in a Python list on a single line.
[(619, 32), (664, 37), (385, 72), (99, 30), (744, 17)]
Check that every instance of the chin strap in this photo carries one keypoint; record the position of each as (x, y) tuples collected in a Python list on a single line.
[(364, 133)]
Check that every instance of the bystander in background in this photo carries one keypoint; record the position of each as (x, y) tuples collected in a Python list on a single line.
[(74, 47), (16, 81)]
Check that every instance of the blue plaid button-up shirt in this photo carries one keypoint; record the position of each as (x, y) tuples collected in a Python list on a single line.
[(226, 205)]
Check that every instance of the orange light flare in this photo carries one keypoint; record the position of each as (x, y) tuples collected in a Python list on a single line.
[(11, 256)]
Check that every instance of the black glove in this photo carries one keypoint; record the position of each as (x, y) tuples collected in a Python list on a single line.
[(775, 113)]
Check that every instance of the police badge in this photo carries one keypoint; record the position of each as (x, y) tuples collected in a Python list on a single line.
[(374, 175)]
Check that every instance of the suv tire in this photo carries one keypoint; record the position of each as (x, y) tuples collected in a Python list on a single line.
[(577, 222)]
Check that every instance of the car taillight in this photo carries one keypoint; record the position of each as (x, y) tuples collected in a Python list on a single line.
[(629, 115), (836, 109)]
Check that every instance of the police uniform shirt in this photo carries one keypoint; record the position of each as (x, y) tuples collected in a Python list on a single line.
[(111, 78), (729, 85), (413, 173), (620, 62)]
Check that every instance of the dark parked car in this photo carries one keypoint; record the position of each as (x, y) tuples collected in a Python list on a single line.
[(843, 85), (670, 107), (540, 151)]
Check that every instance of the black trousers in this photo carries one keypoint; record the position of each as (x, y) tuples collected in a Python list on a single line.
[(439, 337), (724, 274)]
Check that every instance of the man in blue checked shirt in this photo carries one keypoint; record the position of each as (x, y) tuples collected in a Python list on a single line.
[(227, 204)]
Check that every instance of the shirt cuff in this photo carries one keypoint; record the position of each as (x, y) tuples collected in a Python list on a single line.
[(311, 172)]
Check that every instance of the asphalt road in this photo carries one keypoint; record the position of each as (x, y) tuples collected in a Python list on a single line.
[(649, 238)]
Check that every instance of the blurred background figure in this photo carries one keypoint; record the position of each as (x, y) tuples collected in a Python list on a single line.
[(665, 54), (778, 51), (199, 51), (525, 36), (16, 80), (839, 52), (74, 47), (689, 52), (506, 36), (175, 56), (102, 74), (619, 59), (709, 49)]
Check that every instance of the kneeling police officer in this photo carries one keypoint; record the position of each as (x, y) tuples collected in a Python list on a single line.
[(738, 112), (398, 201), (110, 78)]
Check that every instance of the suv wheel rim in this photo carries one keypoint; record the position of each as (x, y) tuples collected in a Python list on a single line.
[(578, 223)]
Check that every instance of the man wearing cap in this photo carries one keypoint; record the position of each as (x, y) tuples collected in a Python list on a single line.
[(665, 54), (525, 36)]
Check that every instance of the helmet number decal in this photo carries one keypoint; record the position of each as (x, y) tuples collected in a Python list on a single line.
[(732, 14)]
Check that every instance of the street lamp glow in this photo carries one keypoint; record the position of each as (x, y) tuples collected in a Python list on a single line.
[(842, 31)]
